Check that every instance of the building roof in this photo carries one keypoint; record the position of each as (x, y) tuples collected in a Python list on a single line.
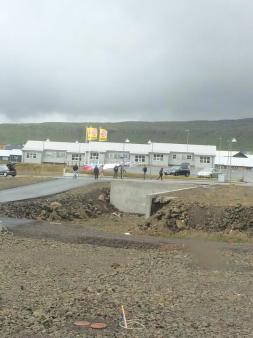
[(7, 153), (133, 148), (73, 147), (226, 153), (235, 161)]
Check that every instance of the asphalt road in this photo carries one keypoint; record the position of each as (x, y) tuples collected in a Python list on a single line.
[(43, 189)]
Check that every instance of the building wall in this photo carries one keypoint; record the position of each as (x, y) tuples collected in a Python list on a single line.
[(71, 161), (53, 156), (178, 158), (201, 161), (116, 156), (158, 159), (140, 156), (31, 159), (15, 158), (94, 157), (4, 158)]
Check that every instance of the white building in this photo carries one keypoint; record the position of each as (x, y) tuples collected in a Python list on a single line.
[(235, 159), (12, 155), (155, 154)]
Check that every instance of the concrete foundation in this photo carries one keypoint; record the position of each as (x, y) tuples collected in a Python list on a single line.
[(135, 196)]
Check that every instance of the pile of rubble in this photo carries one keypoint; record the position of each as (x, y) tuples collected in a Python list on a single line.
[(176, 215), (63, 207)]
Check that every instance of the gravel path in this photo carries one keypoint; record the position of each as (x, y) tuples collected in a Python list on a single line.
[(83, 234)]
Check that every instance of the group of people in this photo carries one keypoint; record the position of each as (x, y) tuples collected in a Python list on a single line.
[(118, 170), (96, 171), (145, 169)]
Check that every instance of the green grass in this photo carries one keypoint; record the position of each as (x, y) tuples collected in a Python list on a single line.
[(201, 132)]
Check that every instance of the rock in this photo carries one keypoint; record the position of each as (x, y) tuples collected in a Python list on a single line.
[(181, 224), (67, 206), (101, 197), (115, 265), (3, 228), (55, 205)]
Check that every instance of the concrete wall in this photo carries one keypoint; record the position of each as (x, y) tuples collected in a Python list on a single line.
[(130, 195)]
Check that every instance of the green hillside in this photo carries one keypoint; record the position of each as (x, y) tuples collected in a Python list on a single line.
[(201, 132)]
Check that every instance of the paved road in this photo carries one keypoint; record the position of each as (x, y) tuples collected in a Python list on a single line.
[(43, 189)]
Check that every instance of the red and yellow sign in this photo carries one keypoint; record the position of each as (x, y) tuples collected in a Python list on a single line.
[(103, 135), (91, 134)]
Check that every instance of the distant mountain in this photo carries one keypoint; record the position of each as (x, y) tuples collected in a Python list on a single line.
[(200, 132)]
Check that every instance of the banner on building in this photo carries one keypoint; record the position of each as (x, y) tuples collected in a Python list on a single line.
[(91, 134), (103, 135)]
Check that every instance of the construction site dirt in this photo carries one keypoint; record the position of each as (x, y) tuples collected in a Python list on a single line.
[(55, 272)]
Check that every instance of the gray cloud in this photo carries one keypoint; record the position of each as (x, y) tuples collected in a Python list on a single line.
[(125, 60)]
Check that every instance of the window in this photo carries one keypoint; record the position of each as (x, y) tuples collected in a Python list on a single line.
[(94, 156), (139, 158), (204, 159), (189, 157), (31, 155), (158, 157), (76, 157), (174, 156)]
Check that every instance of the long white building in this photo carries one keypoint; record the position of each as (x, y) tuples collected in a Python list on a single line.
[(155, 154)]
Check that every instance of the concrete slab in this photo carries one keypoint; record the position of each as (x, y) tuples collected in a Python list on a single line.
[(130, 195)]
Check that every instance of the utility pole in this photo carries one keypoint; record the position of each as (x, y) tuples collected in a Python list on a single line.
[(187, 141)]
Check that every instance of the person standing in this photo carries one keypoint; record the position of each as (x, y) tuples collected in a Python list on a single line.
[(75, 171), (102, 171), (122, 171), (145, 169), (96, 172), (115, 171), (161, 174)]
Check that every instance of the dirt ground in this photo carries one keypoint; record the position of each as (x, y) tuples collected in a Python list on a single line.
[(45, 286), (83, 206), (14, 182), (219, 195), (50, 277)]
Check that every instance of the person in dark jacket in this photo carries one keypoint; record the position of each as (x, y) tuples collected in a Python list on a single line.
[(161, 174), (122, 171), (145, 169), (75, 171), (96, 172), (115, 171)]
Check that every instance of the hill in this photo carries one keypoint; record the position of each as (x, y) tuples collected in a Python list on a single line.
[(201, 132)]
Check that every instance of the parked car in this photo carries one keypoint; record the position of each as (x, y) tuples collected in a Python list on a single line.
[(182, 170), (8, 170), (208, 173)]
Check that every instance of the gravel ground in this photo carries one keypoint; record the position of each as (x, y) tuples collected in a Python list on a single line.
[(46, 285)]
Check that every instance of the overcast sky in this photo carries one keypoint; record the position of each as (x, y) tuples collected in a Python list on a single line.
[(112, 60)]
